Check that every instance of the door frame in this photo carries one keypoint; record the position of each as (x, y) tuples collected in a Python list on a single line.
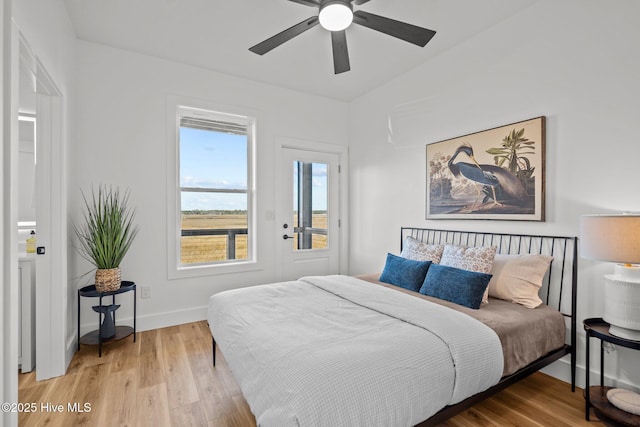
[(8, 214), (283, 143), (54, 349)]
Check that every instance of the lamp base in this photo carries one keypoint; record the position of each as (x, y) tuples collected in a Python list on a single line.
[(622, 302)]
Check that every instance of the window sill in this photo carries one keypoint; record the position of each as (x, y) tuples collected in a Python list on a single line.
[(184, 272)]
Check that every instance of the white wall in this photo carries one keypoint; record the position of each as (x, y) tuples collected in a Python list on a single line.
[(26, 172), (121, 140), (574, 62)]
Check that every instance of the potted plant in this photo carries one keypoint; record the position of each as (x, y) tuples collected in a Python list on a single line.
[(106, 234)]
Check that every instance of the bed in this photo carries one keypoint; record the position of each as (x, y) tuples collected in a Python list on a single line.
[(340, 350)]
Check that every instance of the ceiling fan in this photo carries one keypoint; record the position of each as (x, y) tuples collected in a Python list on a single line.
[(336, 16)]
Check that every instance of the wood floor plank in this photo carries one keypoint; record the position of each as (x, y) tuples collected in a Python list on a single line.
[(90, 388), (243, 410), (119, 408), (531, 411), (188, 415), (539, 410), (472, 417), (226, 375), (194, 331), (31, 391), (206, 380), (477, 417), (545, 392), (152, 406), (166, 378), (179, 379), (150, 365), (126, 355)]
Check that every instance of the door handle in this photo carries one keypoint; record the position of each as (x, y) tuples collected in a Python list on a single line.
[(285, 237)]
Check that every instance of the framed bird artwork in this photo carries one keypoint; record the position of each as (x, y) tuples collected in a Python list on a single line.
[(497, 173)]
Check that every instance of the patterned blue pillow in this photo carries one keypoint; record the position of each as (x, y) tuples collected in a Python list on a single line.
[(403, 272), (459, 286)]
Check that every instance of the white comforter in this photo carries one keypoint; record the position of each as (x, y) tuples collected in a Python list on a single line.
[(339, 351)]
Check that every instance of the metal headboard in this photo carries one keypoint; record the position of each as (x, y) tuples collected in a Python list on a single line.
[(559, 289)]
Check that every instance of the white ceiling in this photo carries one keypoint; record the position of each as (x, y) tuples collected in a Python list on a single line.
[(216, 35)]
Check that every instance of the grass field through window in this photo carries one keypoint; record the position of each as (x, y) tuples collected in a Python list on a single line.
[(203, 249)]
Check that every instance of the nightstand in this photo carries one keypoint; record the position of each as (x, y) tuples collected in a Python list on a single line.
[(596, 396), (120, 332)]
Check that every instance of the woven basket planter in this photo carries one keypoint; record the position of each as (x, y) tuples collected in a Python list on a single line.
[(108, 280)]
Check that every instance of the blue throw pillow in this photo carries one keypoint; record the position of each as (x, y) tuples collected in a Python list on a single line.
[(459, 286), (403, 272)]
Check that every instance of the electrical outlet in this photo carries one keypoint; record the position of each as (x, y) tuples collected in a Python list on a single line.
[(146, 292)]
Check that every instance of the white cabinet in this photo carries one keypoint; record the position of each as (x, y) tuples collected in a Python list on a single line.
[(27, 314)]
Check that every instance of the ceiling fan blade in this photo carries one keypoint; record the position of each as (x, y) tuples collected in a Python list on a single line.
[(340, 52), (359, 2), (286, 35), (311, 3), (407, 32)]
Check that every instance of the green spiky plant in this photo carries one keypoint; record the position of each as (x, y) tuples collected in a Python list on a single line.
[(107, 231), (513, 151)]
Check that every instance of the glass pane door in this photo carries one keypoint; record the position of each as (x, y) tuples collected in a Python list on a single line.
[(310, 225)]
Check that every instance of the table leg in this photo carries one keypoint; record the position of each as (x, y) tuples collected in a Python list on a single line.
[(113, 302), (135, 302), (100, 331), (78, 319), (587, 402), (601, 362)]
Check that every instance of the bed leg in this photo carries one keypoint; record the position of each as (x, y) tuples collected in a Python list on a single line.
[(213, 348)]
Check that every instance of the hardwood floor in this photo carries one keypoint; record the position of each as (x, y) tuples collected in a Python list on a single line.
[(166, 379)]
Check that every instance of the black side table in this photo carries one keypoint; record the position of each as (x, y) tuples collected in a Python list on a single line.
[(95, 337), (596, 396)]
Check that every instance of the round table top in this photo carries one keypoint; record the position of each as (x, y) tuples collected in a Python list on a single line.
[(90, 291)]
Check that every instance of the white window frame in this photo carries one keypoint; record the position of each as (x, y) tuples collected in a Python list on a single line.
[(177, 270)]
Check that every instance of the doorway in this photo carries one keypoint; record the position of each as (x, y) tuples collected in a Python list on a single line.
[(39, 98), (308, 231)]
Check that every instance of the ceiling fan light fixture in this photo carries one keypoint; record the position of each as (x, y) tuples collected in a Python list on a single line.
[(336, 15)]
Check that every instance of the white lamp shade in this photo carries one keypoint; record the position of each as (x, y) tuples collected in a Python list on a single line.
[(613, 238), (616, 238), (336, 16)]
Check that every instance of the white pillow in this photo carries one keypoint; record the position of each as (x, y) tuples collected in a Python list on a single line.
[(518, 278), (478, 259), (420, 251)]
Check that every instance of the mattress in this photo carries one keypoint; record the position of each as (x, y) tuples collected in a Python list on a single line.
[(525, 334), (336, 350)]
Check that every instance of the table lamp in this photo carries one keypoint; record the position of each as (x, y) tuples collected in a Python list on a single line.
[(616, 238)]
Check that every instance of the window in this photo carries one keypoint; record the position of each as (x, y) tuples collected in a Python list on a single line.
[(214, 202)]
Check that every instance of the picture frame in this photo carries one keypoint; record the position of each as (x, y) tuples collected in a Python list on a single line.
[(495, 174)]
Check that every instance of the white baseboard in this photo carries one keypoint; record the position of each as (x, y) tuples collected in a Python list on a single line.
[(156, 321), (171, 318), (562, 371)]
